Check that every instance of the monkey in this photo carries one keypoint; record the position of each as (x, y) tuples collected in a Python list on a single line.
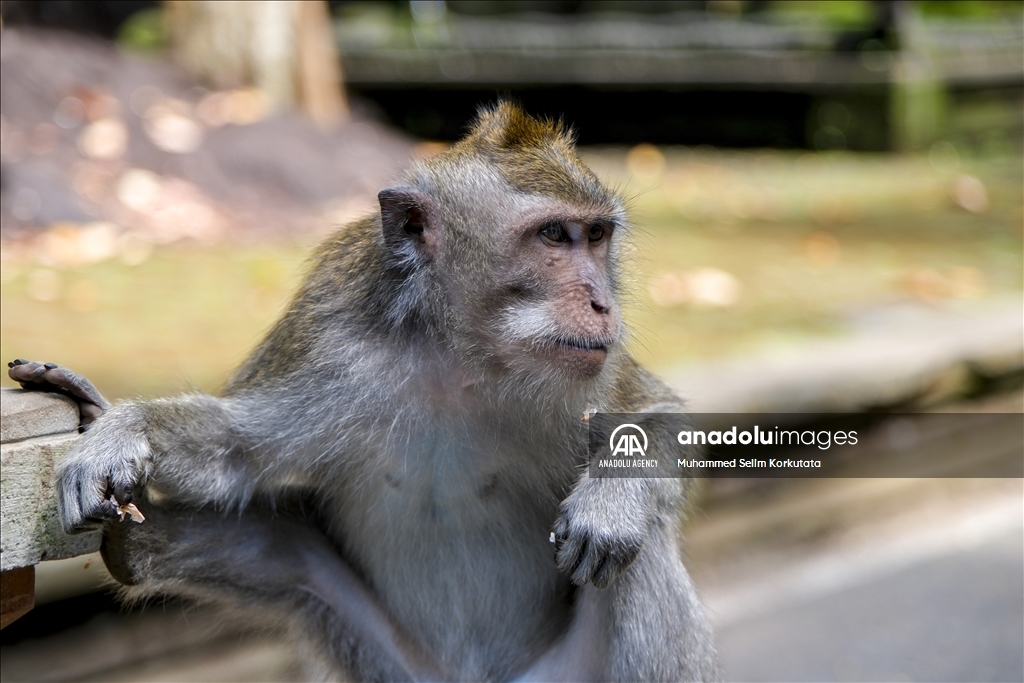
[(386, 473)]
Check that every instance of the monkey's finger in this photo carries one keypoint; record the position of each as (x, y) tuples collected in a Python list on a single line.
[(123, 492), (76, 385), (604, 572), (104, 512), (26, 371), (611, 566), (617, 561), (31, 374), (573, 556), (589, 562), (558, 539), (33, 386), (561, 530), (89, 412), (97, 517)]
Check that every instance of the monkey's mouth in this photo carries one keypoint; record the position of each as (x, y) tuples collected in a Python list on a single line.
[(575, 344), (581, 356), (590, 352)]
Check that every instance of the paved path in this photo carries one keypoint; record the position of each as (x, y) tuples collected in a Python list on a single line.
[(944, 603)]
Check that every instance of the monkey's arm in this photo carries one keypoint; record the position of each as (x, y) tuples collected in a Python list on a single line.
[(605, 521), (190, 448), (197, 448), (640, 617)]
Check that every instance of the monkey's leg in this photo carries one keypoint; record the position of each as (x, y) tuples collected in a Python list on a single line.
[(648, 625), (261, 564), (36, 376)]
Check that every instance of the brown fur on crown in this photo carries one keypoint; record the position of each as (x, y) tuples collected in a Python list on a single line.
[(506, 126), (536, 156)]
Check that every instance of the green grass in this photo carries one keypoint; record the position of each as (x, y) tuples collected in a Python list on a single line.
[(181, 320)]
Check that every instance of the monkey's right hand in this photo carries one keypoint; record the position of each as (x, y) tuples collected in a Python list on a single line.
[(112, 459)]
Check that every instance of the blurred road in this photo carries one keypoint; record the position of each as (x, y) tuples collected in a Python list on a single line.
[(943, 604), (957, 618)]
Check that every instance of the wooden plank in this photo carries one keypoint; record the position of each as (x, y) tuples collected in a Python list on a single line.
[(781, 69), (17, 593)]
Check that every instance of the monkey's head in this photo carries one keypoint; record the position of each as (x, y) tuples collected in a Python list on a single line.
[(506, 248)]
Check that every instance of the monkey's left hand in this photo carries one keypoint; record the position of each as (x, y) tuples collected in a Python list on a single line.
[(600, 530)]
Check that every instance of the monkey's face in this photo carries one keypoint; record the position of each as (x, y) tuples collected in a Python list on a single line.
[(525, 283), (506, 249), (552, 301)]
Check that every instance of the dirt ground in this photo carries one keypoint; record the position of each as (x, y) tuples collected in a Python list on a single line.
[(91, 134)]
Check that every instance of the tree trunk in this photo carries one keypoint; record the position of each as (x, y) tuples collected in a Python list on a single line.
[(285, 48)]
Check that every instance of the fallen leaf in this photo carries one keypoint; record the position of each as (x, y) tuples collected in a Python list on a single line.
[(130, 509)]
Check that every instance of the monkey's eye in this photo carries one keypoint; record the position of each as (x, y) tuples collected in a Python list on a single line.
[(555, 232), (596, 233)]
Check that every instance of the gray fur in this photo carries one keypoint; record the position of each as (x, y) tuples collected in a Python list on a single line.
[(436, 443)]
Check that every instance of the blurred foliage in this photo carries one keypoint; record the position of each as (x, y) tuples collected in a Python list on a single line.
[(971, 9), (837, 13), (734, 250), (848, 14), (812, 241), (144, 31)]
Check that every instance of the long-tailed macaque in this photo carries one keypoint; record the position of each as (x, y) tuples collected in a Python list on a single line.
[(386, 471)]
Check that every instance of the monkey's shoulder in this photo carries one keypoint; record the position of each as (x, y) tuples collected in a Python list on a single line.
[(344, 292)]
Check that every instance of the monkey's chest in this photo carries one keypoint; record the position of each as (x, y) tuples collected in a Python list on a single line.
[(460, 555), (422, 509), (447, 482)]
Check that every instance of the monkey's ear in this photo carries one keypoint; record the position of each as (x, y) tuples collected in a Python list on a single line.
[(408, 216)]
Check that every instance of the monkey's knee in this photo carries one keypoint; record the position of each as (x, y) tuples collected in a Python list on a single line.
[(205, 552), (172, 544), (134, 551), (119, 560)]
